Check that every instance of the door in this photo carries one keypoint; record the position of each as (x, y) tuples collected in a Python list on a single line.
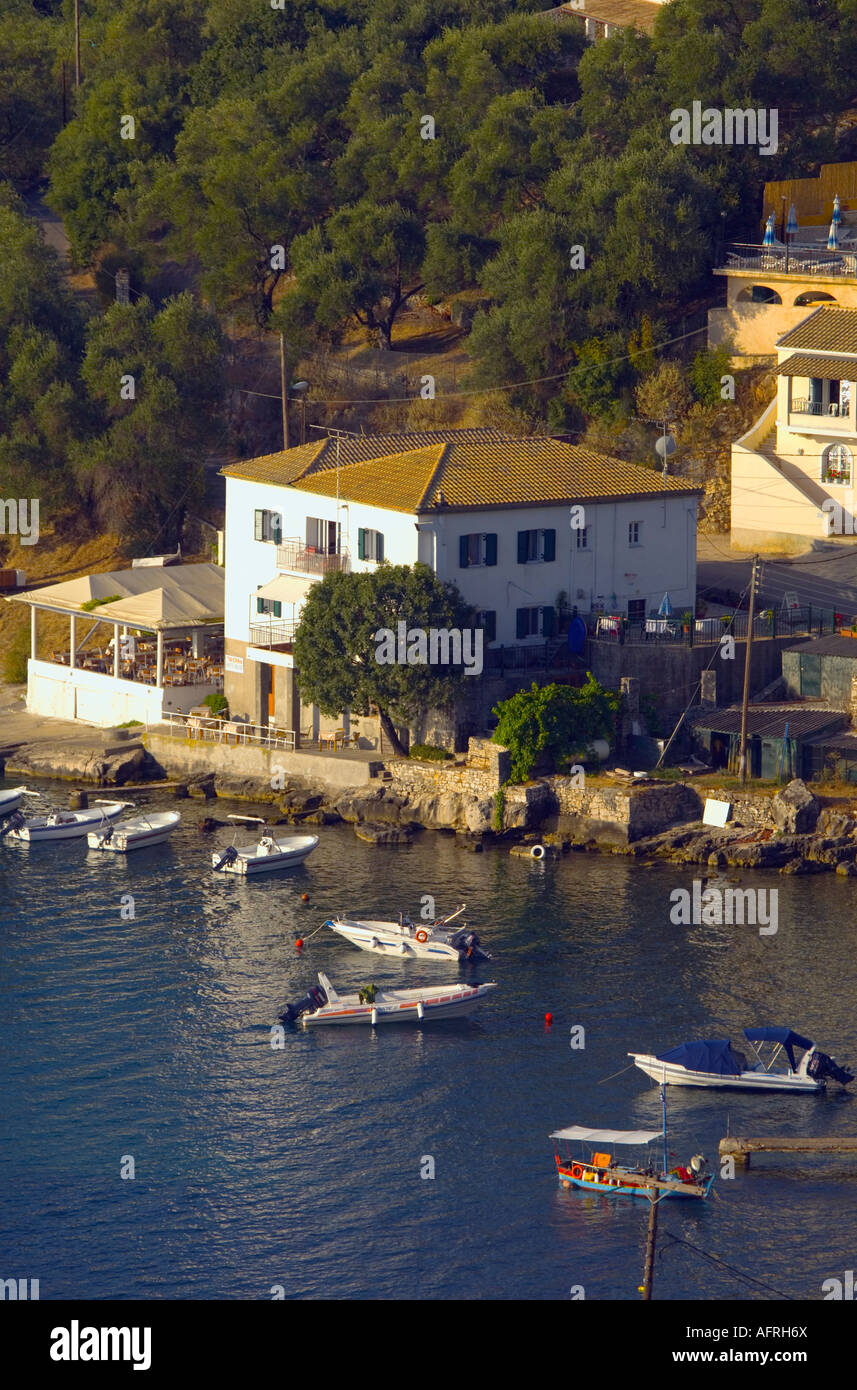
[(810, 676)]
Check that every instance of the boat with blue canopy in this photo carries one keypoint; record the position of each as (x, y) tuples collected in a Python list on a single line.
[(775, 1064)]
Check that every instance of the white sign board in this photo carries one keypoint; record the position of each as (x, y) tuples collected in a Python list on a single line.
[(716, 812), (790, 600), (234, 663)]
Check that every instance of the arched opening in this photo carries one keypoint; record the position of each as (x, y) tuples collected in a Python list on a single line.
[(759, 294), (836, 465), (814, 297)]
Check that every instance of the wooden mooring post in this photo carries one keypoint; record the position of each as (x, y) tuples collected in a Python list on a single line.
[(741, 1149)]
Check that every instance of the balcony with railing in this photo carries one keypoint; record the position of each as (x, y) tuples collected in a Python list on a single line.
[(272, 634), (797, 260), (807, 413), (295, 555)]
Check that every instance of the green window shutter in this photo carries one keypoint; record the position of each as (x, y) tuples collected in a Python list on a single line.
[(463, 552), (522, 624), (379, 546), (490, 626), (260, 605), (522, 547), (278, 608), (276, 528), (491, 548), (550, 545), (258, 526), (548, 621), (361, 544)]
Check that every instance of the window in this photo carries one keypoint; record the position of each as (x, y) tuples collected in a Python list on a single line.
[(534, 622), (582, 538), (636, 609), (480, 548), (635, 529), (487, 620), (321, 536), (370, 545), (836, 464), (270, 605), (536, 547), (268, 526)]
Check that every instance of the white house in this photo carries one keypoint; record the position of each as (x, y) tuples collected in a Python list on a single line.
[(793, 472), (513, 522)]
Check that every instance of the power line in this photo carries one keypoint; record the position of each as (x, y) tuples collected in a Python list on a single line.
[(722, 1264)]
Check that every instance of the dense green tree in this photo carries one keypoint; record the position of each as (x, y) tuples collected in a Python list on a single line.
[(558, 721), (339, 640), (30, 91)]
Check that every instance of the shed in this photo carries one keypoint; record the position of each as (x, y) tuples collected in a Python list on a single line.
[(821, 669), (777, 738)]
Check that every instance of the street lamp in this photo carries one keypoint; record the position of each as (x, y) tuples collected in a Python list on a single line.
[(299, 388)]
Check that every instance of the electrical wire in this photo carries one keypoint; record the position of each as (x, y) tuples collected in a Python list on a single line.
[(722, 1264)]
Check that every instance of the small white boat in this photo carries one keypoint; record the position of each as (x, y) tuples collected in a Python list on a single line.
[(270, 852), (409, 940), (372, 1006), (10, 800), (136, 833), (715, 1063), (62, 825)]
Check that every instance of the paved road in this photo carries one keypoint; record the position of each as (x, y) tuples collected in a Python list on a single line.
[(826, 575)]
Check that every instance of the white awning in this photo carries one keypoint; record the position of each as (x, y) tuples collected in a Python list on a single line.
[(285, 588), (608, 1136)]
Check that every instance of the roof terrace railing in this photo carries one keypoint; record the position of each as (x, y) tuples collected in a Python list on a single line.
[(792, 260)]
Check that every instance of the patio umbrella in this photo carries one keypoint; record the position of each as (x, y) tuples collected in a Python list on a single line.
[(791, 225), (837, 214), (769, 238), (833, 238), (666, 608)]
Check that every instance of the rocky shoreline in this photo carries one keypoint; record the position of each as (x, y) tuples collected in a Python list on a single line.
[(788, 830)]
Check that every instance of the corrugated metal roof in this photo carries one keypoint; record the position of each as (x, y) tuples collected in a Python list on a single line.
[(829, 329), (770, 720), (825, 368)]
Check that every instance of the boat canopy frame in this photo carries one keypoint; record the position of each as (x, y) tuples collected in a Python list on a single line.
[(783, 1039)]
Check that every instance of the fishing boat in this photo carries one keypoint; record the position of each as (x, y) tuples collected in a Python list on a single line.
[(269, 853), (61, 825), (596, 1170), (409, 940), (136, 833), (11, 799), (322, 1005), (715, 1062)]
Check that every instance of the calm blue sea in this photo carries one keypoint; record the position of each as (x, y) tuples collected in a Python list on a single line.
[(150, 1038)]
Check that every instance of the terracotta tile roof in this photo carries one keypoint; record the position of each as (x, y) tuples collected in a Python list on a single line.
[(825, 368), (829, 329), (283, 467), (626, 14), (289, 464), (502, 472)]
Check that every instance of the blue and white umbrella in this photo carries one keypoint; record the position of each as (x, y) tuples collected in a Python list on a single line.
[(791, 225), (833, 238), (769, 238), (837, 214), (666, 608)]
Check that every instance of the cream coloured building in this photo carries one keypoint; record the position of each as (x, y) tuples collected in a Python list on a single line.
[(793, 471)]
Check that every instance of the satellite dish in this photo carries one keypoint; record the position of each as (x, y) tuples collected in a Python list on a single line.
[(665, 446)]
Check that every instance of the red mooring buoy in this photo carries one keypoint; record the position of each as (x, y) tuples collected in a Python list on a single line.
[(304, 897), (548, 1019), (299, 943)]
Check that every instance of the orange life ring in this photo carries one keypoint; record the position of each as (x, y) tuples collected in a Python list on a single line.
[(577, 1171), (422, 936)]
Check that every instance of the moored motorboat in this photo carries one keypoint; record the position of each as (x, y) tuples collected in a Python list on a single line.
[(269, 853), (61, 825), (601, 1173), (372, 1005), (10, 799), (135, 833), (714, 1062), (409, 940)]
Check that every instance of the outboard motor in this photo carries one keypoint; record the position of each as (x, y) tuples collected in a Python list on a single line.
[(107, 836), (823, 1068), (315, 998), (227, 857), (468, 947), (699, 1167), (15, 821)]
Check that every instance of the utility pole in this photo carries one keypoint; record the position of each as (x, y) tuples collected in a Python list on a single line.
[(77, 44), (742, 751), (651, 1237), (284, 390)]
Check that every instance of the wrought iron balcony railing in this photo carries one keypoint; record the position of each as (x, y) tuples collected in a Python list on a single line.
[(306, 559)]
